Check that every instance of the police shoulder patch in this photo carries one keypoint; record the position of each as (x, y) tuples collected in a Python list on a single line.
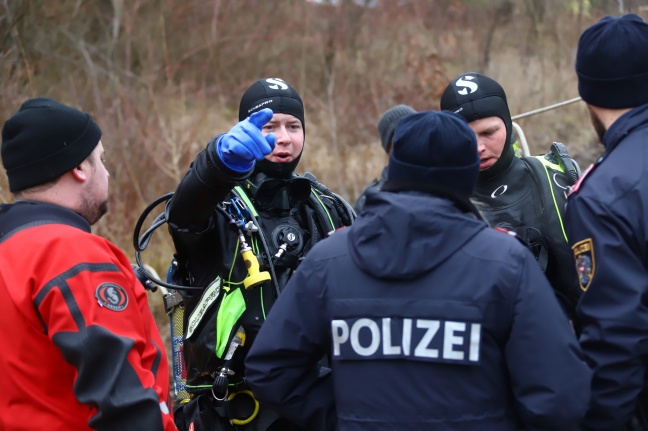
[(112, 296), (585, 262)]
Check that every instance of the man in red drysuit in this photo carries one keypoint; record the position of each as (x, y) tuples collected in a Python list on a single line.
[(80, 348)]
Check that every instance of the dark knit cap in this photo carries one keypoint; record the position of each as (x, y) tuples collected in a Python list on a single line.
[(612, 62), (388, 121), (44, 140), (273, 93), (434, 148)]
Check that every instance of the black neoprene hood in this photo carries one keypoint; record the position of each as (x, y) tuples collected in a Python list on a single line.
[(273, 93), (475, 96)]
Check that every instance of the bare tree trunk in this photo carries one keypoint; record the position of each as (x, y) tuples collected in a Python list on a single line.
[(21, 49), (500, 15)]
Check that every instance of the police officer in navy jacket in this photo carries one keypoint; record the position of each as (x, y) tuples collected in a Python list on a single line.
[(607, 226), (431, 319)]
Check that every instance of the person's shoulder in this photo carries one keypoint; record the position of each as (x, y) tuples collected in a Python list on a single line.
[(332, 201), (84, 241), (500, 235), (556, 160), (540, 162), (376, 183), (498, 244), (615, 173), (499, 258), (317, 185), (66, 244), (333, 246)]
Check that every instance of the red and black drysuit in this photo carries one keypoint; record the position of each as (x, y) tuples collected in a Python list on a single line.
[(80, 347)]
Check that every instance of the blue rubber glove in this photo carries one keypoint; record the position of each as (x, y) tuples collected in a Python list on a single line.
[(244, 143)]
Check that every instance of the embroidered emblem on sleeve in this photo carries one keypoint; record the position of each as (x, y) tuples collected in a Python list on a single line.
[(112, 296), (585, 262)]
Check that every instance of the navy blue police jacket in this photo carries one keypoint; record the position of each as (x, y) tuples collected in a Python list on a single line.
[(431, 321), (608, 231)]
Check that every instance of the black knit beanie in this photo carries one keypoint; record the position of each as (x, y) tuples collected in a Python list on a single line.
[(44, 140), (434, 148), (475, 96), (281, 97), (388, 121), (612, 62)]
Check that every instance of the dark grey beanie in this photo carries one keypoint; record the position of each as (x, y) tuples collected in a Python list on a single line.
[(388, 121), (44, 140)]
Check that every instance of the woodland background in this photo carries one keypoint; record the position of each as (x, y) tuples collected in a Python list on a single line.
[(161, 77)]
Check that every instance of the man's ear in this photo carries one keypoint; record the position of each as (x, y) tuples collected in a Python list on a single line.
[(79, 173)]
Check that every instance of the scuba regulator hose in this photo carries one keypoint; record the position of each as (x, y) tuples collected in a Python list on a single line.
[(344, 209)]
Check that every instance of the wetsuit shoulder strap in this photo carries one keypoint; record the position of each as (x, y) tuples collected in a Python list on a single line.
[(541, 168)]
